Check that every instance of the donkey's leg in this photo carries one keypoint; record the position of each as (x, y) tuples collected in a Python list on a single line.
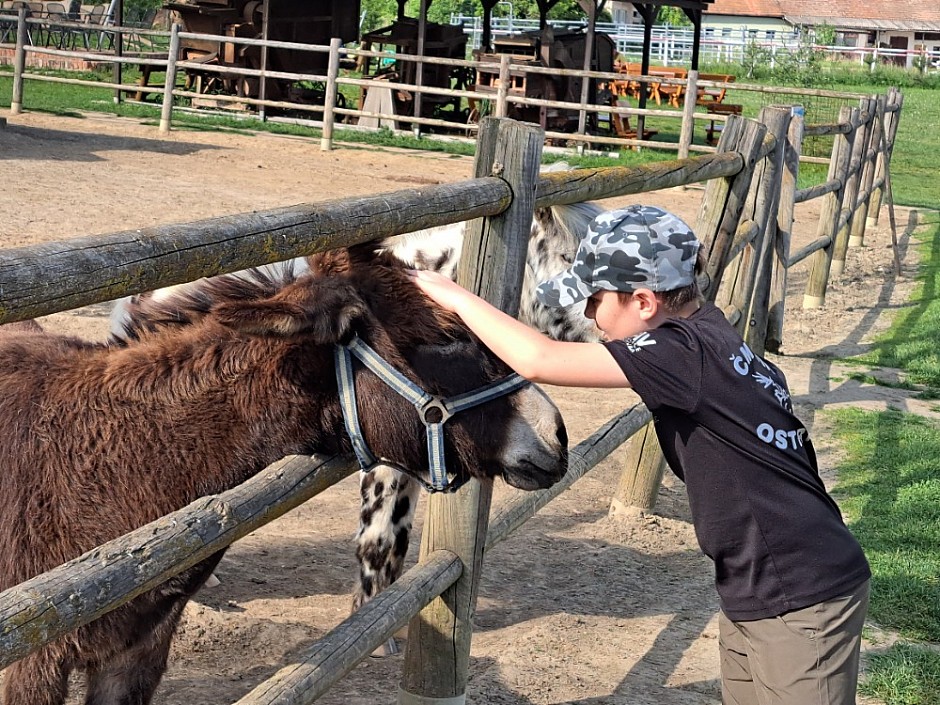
[(388, 508), (130, 675), (42, 678)]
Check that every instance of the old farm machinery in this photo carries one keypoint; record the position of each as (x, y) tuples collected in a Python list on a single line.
[(302, 21)]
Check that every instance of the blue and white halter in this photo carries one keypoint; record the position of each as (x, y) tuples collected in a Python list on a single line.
[(432, 409)]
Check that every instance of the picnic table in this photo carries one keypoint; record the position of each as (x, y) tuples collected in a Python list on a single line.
[(673, 94)]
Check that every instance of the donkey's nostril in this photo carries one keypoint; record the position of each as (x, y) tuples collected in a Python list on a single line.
[(562, 435)]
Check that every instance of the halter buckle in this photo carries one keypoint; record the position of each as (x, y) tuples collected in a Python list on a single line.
[(435, 403)]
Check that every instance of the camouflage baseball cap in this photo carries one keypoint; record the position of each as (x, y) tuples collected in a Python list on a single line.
[(624, 250)]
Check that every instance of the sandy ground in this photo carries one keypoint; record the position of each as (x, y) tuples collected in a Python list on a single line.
[(578, 606)]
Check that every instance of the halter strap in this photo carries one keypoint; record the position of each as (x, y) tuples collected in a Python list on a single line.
[(423, 402)]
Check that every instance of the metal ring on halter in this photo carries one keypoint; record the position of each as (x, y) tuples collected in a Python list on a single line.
[(423, 402), (432, 404)]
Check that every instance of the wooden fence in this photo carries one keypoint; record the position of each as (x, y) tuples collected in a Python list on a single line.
[(744, 223), (500, 102)]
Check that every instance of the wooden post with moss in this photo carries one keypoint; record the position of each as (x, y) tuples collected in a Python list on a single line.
[(860, 219), (329, 100), (777, 119), (788, 183), (19, 62), (437, 656), (859, 135), (169, 83), (881, 150), (721, 209), (829, 223)]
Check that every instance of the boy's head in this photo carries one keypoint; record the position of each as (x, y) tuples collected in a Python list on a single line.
[(625, 250)]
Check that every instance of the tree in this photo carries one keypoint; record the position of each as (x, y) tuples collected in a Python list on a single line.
[(673, 16), (379, 13)]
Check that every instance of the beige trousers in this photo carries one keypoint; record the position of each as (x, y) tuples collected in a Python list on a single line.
[(805, 657)]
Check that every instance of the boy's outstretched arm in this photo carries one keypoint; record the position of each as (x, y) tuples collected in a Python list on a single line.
[(531, 354)]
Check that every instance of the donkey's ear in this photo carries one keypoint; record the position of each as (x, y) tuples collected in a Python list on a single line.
[(326, 309)]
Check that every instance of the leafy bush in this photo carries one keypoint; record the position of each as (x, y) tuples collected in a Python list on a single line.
[(756, 60)]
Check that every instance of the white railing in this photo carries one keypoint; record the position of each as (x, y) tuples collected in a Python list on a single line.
[(673, 44), (669, 43)]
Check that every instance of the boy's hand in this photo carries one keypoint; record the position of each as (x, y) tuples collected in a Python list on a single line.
[(445, 292)]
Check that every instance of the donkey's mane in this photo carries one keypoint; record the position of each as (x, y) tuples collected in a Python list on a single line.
[(186, 304)]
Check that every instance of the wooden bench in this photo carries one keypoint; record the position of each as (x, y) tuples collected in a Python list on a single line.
[(671, 93), (710, 96), (655, 90), (713, 131), (146, 71), (622, 128)]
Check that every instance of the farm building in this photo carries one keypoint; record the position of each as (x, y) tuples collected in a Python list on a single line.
[(905, 25)]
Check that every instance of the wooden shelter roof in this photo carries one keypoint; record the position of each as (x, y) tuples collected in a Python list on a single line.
[(896, 11)]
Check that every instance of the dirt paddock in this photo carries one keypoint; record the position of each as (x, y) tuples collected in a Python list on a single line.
[(578, 606)]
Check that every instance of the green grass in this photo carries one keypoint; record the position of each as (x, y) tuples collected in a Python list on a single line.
[(912, 344), (889, 489), (904, 675)]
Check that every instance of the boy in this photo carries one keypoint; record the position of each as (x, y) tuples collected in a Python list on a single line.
[(791, 578)]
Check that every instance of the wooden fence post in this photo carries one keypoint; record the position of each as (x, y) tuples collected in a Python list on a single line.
[(777, 119), (724, 199), (873, 146), (501, 109), (857, 137), (166, 111), (883, 168), (687, 131), (19, 62), (831, 214), (437, 655), (721, 210), (791, 171), (874, 204), (643, 471), (329, 101)]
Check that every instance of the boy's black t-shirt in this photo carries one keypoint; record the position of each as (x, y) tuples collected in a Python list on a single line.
[(725, 423)]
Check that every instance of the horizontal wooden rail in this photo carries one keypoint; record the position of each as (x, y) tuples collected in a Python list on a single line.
[(565, 188), (767, 146), (410, 119), (797, 92), (91, 84), (743, 236), (46, 278), (252, 41), (440, 60), (92, 56), (39, 610), (807, 250), (56, 276), (521, 506), (834, 128), (808, 194), (844, 215), (245, 71), (813, 160), (337, 653), (732, 314), (243, 100), (424, 90)]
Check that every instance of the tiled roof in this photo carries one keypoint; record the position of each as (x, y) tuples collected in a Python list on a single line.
[(749, 8), (877, 10)]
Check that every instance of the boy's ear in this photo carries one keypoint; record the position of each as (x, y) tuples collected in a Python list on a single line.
[(327, 309), (648, 302)]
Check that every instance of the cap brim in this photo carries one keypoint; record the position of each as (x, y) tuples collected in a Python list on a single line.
[(563, 289)]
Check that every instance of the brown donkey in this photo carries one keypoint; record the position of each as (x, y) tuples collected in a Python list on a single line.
[(98, 440)]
